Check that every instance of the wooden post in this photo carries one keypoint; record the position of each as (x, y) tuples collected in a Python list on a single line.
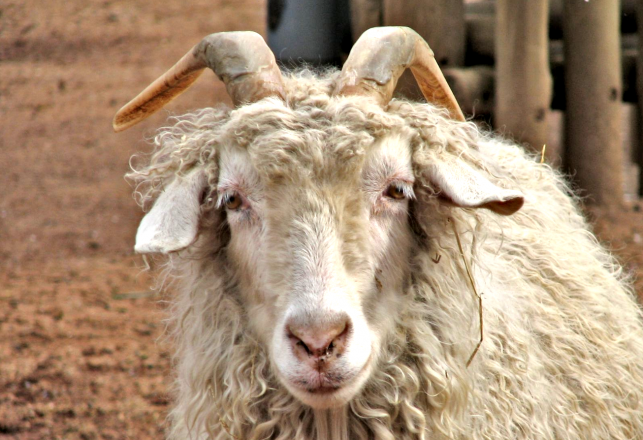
[(473, 87), (593, 91), (439, 22), (639, 77), (523, 86), (365, 14)]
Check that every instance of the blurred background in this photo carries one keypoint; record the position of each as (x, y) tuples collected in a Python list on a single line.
[(81, 348)]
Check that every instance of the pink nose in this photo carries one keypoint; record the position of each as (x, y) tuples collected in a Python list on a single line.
[(319, 345)]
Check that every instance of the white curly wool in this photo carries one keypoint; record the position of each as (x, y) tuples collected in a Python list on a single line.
[(562, 356)]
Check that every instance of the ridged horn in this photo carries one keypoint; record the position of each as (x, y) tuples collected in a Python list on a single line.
[(242, 60), (381, 55)]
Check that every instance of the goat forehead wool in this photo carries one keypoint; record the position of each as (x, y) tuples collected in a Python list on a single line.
[(295, 148), (563, 341)]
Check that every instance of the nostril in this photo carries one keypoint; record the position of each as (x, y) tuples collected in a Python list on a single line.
[(296, 342), (319, 341), (305, 347)]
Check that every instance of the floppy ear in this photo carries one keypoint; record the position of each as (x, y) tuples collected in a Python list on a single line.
[(173, 222), (467, 188)]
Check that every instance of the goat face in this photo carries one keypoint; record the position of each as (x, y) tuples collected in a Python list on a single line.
[(316, 203), (320, 258), (320, 241)]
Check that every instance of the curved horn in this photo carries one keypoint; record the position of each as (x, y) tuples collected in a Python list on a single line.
[(242, 60), (381, 55)]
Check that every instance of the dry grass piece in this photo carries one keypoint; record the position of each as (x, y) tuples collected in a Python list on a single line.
[(475, 291)]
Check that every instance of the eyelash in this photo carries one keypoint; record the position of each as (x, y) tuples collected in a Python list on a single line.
[(232, 197), (386, 204), (398, 191)]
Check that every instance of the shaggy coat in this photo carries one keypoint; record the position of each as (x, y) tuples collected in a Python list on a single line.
[(562, 356)]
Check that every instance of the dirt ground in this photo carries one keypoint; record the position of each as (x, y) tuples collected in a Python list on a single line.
[(77, 360), (81, 348)]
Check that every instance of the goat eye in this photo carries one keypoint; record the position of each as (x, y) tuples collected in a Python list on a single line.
[(395, 192), (232, 202)]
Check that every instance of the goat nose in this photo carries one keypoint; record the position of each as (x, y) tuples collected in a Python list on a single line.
[(321, 343)]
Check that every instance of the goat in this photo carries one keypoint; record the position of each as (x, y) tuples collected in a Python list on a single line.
[(335, 254)]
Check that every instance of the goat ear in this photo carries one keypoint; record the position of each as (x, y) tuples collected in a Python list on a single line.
[(467, 188), (173, 222)]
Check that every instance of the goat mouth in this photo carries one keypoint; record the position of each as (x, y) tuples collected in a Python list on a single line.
[(324, 383), (331, 391), (324, 390), (325, 396)]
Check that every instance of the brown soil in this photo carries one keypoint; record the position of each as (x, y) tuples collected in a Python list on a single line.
[(77, 359), (81, 353)]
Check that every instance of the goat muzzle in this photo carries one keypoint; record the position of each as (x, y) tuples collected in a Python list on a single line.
[(319, 346)]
